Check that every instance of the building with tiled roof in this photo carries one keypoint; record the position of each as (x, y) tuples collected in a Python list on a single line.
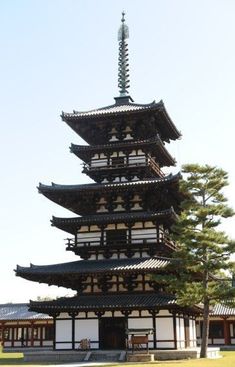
[(121, 231), (222, 325), (20, 327)]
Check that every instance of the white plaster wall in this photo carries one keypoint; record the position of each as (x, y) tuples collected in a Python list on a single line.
[(164, 332), (218, 341), (16, 344), (117, 314), (91, 315), (89, 236), (7, 344), (180, 334), (87, 329), (138, 235), (198, 331), (63, 346), (63, 315), (98, 162), (142, 323), (137, 159), (145, 313), (63, 330), (192, 333), (164, 313)]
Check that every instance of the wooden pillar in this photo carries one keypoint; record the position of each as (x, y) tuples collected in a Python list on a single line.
[(31, 337), (157, 232), (174, 328), (102, 235), (54, 336), (3, 334), (126, 313), (154, 313), (99, 315), (108, 158), (73, 315), (227, 339)]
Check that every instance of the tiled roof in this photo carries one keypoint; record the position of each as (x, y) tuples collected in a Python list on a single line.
[(121, 144), (19, 311), (223, 310), (82, 199), (106, 302), (83, 151), (96, 266), (113, 109), (96, 187), (70, 224), (81, 122)]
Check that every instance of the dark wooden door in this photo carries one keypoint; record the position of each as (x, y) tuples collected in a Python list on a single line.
[(112, 333)]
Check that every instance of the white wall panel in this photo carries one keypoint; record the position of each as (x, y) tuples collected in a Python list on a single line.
[(164, 313), (141, 323), (63, 331), (218, 341), (87, 329), (180, 333), (63, 315), (164, 328), (192, 333)]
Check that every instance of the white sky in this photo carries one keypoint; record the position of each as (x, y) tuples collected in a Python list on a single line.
[(62, 55)]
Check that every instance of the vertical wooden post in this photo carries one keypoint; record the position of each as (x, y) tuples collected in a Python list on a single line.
[(54, 336), (154, 330), (174, 329), (227, 340), (32, 336)]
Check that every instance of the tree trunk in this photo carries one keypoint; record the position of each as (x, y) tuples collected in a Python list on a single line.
[(205, 329)]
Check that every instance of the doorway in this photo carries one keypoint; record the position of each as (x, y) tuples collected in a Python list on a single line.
[(112, 333)]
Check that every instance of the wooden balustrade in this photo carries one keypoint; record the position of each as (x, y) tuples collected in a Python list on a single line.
[(136, 161), (120, 242)]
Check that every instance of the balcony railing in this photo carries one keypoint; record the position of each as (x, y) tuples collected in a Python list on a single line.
[(131, 162), (120, 242)]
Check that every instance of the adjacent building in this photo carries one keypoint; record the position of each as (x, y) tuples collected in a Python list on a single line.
[(20, 327)]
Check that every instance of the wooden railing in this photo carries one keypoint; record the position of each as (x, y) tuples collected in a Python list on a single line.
[(133, 161), (120, 243)]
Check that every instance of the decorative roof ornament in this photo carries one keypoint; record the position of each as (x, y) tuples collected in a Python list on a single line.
[(123, 71)]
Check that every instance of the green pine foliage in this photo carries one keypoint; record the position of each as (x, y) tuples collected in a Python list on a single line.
[(203, 267)]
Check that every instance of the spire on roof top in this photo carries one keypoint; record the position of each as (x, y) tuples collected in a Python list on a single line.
[(123, 71)]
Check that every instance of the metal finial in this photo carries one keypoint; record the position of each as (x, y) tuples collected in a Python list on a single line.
[(123, 71)]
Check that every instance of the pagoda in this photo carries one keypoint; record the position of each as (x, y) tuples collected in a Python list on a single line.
[(120, 230)]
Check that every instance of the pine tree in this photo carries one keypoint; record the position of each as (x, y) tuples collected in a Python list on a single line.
[(204, 265)]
